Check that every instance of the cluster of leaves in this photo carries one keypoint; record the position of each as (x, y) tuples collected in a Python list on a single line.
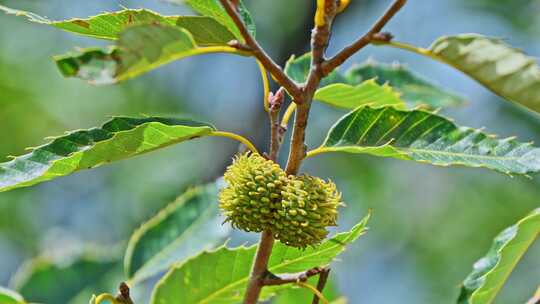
[(392, 114)]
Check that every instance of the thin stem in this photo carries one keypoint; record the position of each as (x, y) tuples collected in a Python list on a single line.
[(323, 277), (259, 268), (237, 137), (326, 11), (274, 69), (266, 85), (106, 297), (277, 132), (317, 151), (367, 38), (220, 49), (316, 292), (288, 114), (411, 48), (298, 150), (282, 279)]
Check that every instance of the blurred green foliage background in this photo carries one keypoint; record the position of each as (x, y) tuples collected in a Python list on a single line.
[(430, 224)]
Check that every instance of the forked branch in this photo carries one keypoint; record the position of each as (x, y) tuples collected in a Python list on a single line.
[(334, 62), (254, 48), (302, 97)]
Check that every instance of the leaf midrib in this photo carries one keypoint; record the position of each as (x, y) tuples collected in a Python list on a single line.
[(409, 150)]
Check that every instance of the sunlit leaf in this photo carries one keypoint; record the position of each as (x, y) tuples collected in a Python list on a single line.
[(396, 80), (221, 276), (205, 30), (506, 71), (491, 272), (426, 137), (103, 26), (139, 49), (350, 97), (117, 139), (415, 90), (10, 297), (44, 280), (187, 226), (213, 9)]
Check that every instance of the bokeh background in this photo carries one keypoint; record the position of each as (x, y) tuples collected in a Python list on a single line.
[(429, 224)]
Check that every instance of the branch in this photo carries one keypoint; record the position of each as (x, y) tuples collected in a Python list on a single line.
[(371, 35), (259, 268), (257, 51), (319, 41), (282, 279), (277, 131), (320, 285)]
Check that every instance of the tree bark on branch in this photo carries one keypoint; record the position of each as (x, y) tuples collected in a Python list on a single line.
[(302, 95)]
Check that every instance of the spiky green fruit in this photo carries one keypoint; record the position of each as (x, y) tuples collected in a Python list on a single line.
[(309, 205), (253, 194)]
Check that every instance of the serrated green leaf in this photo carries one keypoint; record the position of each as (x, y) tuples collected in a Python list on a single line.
[(426, 137), (102, 26), (139, 49), (491, 272), (414, 89), (506, 71), (44, 280), (10, 297), (213, 9), (221, 276), (205, 30), (187, 226), (120, 138), (350, 97)]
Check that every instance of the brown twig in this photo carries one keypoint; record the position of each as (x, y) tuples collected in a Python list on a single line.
[(257, 51), (302, 96), (277, 132), (319, 41), (367, 38), (282, 279), (259, 268), (323, 277)]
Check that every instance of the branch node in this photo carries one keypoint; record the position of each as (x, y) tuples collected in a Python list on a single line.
[(239, 46), (275, 101), (270, 279), (256, 50), (373, 35), (382, 37)]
